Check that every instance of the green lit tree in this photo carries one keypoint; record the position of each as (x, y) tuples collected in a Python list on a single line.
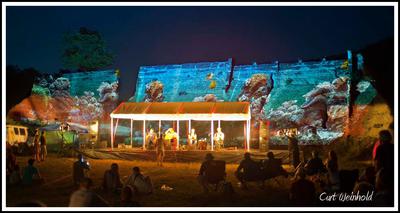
[(85, 51)]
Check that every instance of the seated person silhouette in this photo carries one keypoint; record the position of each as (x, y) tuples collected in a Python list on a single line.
[(315, 165), (211, 172), (248, 170), (272, 167)]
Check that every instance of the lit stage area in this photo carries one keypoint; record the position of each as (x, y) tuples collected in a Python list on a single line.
[(179, 112)]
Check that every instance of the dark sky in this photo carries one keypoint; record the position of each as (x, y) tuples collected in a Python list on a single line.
[(167, 35)]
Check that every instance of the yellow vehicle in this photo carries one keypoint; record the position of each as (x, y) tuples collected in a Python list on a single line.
[(17, 136)]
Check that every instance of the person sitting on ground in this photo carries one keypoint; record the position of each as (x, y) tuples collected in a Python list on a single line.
[(31, 175), (272, 167), (363, 188), (315, 165), (384, 188), (15, 177), (140, 183), (333, 171), (127, 197), (384, 157), (79, 170), (302, 191), (202, 178), (112, 181), (368, 175), (248, 170), (366, 182), (85, 197)]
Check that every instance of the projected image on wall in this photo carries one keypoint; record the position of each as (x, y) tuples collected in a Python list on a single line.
[(307, 99), (79, 98)]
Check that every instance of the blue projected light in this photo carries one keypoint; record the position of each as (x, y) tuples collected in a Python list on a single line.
[(290, 95)]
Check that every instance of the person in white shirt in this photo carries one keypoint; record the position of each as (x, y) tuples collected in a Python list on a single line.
[(141, 184), (151, 139), (219, 137), (192, 138)]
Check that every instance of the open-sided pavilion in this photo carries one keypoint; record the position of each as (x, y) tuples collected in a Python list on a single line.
[(182, 111)]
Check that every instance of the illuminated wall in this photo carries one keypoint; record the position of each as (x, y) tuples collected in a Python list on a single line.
[(277, 91), (75, 97), (89, 81), (185, 82)]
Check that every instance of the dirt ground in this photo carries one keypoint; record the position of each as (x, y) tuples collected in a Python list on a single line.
[(181, 176)]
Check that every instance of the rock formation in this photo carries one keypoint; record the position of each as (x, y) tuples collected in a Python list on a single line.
[(154, 92), (256, 90)]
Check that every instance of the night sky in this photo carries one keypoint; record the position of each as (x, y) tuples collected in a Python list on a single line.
[(168, 35)]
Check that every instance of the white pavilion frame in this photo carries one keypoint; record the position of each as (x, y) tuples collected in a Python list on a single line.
[(239, 116)]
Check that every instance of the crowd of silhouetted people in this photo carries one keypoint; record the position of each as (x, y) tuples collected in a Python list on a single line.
[(308, 181), (314, 179)]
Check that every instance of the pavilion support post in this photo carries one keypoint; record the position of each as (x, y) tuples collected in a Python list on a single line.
[(177, 132), (245, 135), (131, 132), (190, 126), (219, 123), (186, 128), (144, 134), (212, 135), (248, 135), (159, 128), (112, 133), (115, 130)]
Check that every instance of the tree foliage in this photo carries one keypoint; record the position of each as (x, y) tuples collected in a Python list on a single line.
[(85, 50), (19, 84)]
